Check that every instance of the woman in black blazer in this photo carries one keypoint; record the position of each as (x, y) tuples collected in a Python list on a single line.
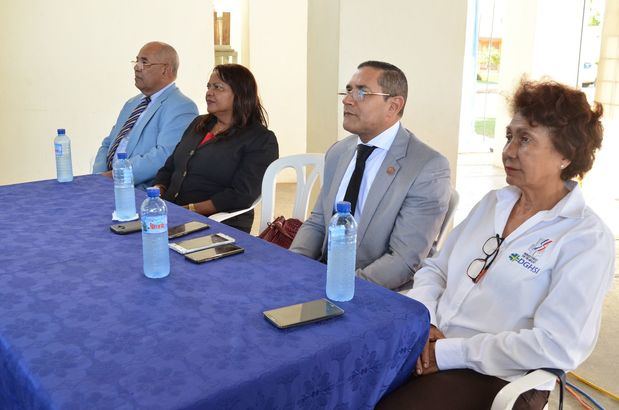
[(219, 162)]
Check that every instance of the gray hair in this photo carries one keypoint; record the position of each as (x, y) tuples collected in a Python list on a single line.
[(392, 80)]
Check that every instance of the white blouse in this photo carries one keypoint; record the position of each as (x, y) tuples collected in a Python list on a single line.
[(540, 302)]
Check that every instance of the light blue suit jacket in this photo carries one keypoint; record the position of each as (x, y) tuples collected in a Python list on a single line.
[(153, 138), (402, 215)]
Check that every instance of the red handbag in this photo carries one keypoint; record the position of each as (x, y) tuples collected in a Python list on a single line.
[(281, 231)]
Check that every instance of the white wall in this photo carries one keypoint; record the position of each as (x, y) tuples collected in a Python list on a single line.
[(278, 59), (66, 65), (424, 39)]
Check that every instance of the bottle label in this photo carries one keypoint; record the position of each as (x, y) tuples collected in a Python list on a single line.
[(58, 148), (155, 224)]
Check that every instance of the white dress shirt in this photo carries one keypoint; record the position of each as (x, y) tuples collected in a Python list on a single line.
[(382, 142), (540, 303)]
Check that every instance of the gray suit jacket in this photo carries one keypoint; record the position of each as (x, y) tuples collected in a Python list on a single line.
[(402, 214)]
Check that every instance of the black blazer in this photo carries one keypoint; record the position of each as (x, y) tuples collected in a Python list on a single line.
[(228, 169)]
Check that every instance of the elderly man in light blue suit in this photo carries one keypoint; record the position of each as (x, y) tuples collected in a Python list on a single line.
[(150, 124), (399, 188)]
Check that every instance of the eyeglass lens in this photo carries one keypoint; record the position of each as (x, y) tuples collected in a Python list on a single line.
[(491, 245), (357, 94), (475, 268), (478, 266)]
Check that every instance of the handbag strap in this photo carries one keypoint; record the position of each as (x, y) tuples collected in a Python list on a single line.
[(270, 229), (279, 225)]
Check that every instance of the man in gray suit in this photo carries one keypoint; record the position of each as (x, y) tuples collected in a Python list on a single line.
[(399, 188), (150, 124)]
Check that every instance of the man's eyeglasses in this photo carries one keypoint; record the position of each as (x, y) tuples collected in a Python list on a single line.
[(359, 94), (142, 65), (478, 268)]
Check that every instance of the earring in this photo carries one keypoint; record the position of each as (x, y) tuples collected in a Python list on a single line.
[(562, 166)]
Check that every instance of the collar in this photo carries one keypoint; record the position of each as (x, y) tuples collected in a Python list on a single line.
[(158, 94), (384, 139), (571, 205)]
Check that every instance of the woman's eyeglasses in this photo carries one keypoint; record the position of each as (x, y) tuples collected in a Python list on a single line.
[(478, 268)]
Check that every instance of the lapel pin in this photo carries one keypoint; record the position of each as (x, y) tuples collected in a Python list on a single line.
[(391, 170)]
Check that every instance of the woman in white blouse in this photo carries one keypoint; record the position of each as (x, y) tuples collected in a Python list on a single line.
[(519, 284)]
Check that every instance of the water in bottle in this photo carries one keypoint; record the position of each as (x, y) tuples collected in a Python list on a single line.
[(62, 146), (155, 251), (124, 193), (341, 257)]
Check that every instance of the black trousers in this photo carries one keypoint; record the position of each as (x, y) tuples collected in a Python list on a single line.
[(458, 389)]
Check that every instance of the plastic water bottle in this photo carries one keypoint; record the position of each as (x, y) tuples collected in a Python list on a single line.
[(62, 146), (342, 254), (124, 193), (155, 251)]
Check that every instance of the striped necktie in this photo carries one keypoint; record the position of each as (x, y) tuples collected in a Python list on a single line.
[(133, 118)]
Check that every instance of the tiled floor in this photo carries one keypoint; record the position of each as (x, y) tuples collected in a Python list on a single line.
[(476, 176)]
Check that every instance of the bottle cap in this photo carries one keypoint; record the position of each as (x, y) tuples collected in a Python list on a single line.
[(121, 155), (153, 192), (60, 131), (343, 207)]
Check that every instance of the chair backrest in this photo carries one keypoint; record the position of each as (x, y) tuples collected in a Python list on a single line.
[(222, 216), (304, 186), (453, 204)]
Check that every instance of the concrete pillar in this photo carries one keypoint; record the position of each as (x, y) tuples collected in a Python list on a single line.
[(607, 91), (600, 184), (323, 41)]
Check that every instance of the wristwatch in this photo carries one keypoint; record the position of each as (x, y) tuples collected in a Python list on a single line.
[(192, 207)]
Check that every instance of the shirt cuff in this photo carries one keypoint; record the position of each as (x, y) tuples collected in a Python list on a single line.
[(450, 354)]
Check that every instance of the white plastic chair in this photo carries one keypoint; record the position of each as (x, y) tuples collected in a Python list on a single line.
[(507, 396), (449, 216), (453, 204), (222, 216), (304, 184)]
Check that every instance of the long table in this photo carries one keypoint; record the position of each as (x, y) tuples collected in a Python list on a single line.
[(82, 327)]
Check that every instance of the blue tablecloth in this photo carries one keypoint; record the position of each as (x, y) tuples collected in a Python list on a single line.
[(81, 327)]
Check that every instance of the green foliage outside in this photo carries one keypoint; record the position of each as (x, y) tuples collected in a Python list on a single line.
[(485, 127), (489, 58), (492, 77)]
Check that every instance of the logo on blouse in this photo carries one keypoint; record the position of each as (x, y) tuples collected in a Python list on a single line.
[(539, 247), (525, 260)]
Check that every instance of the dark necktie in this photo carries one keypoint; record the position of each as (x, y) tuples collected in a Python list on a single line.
[(352, 192), (133, 118)]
